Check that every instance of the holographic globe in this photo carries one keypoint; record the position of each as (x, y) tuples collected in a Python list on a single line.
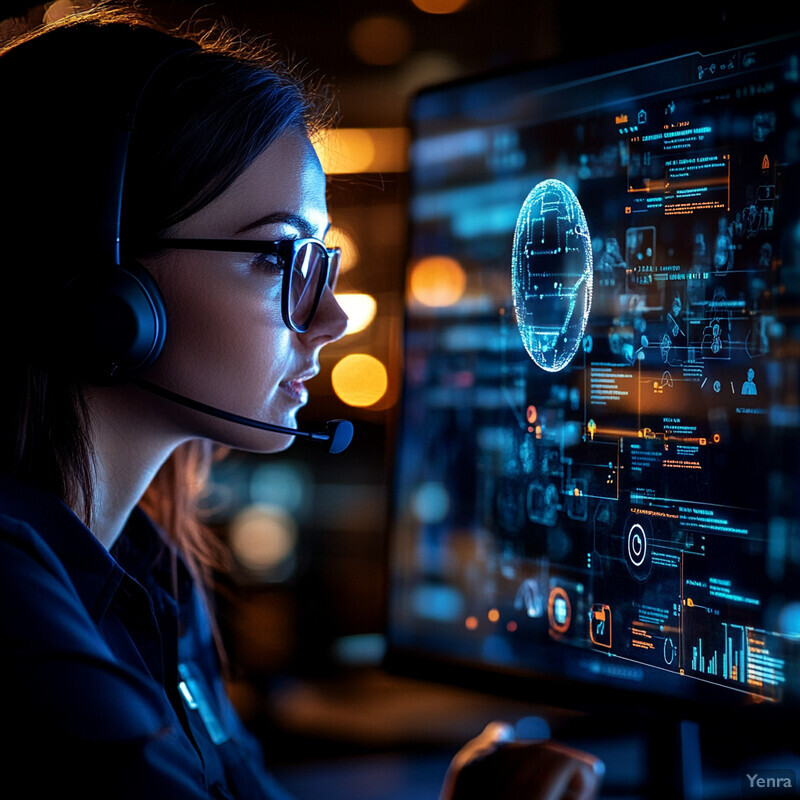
[(551, 274)]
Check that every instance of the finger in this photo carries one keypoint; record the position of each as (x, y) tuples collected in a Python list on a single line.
[(585, 781), (593, 762), (488, 740), (576, 777), (494, 734)]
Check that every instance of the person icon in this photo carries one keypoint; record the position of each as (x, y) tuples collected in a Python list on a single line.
[(749, 386)]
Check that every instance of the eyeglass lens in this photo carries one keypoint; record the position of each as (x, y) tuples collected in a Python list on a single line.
[(308, 271)]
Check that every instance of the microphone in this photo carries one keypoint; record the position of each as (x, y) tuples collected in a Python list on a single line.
[(338, 433)]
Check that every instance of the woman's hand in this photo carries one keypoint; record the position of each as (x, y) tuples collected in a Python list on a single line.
[(493, 766)]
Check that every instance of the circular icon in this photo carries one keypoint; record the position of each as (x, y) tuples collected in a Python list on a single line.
[(669, 650), (559, 610), (637, 545)]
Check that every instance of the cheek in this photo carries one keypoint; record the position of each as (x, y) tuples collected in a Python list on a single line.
[(225, 337)]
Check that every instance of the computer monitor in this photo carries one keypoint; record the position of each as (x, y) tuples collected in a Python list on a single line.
[(597, 478)]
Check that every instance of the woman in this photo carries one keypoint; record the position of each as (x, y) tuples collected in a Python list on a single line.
[(165, 212)]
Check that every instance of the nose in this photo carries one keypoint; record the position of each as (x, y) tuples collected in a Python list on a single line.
[(329, 323)]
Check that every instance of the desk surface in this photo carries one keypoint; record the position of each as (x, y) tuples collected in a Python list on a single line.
[(371, 736)]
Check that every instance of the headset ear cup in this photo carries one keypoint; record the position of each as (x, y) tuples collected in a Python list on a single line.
[(119, 321)]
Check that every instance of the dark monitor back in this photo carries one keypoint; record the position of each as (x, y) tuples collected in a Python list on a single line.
[(597, 486)]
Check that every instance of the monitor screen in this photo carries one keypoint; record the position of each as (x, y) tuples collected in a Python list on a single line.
[(596, 480)]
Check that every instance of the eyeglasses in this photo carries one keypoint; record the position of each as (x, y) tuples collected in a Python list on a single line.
[(308, 266)]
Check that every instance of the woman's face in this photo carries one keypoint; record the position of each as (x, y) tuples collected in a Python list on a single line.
[(227, 345)]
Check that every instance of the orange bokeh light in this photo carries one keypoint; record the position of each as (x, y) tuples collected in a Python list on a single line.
[(440, 6)]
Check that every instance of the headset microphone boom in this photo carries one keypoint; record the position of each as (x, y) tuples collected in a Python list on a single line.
[(338, 433)]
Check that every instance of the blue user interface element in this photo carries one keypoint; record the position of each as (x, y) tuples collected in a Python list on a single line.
[(608, 414), (551, 268)]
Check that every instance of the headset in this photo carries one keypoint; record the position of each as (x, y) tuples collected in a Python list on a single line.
[(118, 312)]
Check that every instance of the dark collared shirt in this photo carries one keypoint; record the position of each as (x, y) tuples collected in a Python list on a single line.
[(109, 680)]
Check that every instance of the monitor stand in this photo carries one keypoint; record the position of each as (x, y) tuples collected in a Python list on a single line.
[(685, 760), (675, 766)]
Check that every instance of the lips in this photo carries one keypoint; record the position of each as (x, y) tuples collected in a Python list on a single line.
[(296, 386), (297, 389)]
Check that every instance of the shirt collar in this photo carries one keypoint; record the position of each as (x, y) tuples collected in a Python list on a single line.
[(141, 551), (146, 555)]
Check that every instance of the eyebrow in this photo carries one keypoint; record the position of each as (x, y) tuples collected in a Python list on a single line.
[(305, 228)]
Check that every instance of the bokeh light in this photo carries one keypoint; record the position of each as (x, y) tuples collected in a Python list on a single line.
[(425, 69), (349, 151), (263, 540), (437, 281), (359, 380), (360, 309), (64, 8), (344, 150), (380, 40), (440, 6), (281, 484), (339, 237), (431, 502), (789, 619)]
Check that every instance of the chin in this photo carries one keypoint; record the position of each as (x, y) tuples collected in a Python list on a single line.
[(252, 440), (285, 442)]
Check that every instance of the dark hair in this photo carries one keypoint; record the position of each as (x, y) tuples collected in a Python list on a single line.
[(212, 102)]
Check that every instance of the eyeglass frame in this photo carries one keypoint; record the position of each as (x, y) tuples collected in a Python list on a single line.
[(285, 249)]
